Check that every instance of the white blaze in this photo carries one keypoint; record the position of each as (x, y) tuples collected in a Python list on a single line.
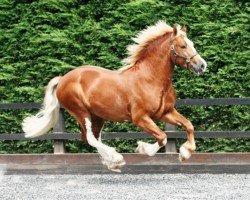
[(190, 44)]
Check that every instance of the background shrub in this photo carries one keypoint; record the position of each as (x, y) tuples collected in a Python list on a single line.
[(46, 38)]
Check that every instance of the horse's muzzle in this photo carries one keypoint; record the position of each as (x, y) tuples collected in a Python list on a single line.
[(199, 67)]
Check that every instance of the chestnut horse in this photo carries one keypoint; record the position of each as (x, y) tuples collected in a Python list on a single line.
[(141, 92)]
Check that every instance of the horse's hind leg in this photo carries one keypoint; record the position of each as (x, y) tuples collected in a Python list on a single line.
[(97, 124), (110, 156), (177, 119), (91, 131)]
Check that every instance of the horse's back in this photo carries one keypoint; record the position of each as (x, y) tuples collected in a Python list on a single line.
[(87, 73)]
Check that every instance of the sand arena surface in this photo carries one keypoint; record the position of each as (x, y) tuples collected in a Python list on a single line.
[(125, 186)]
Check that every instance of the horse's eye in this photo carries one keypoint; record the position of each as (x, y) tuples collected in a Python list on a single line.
[(183, 47)]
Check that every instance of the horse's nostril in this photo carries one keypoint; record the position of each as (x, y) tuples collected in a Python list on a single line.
[(202, 66)]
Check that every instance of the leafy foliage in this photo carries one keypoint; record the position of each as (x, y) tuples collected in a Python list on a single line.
[(41, 39)]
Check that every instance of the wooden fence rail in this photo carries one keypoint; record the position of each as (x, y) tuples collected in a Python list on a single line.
[(59, 134)]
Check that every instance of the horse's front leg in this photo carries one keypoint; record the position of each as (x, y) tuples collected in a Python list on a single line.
[(175, 118), (148, 125)]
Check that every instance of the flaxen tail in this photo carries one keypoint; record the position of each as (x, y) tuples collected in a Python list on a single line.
[(46, 118)]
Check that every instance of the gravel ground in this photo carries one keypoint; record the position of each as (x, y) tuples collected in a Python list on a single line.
[(125, 186)]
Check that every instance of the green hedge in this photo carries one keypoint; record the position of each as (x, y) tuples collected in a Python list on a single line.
[(43, 39)]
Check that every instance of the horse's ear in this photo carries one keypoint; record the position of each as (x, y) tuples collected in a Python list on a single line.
[(184, 29), (176, 29)]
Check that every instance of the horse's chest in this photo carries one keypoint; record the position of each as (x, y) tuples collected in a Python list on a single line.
[(165, 103)]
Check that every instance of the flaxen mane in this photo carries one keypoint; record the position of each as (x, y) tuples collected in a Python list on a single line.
[(142, 40)]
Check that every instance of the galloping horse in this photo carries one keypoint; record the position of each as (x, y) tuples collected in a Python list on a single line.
[(141, 92)]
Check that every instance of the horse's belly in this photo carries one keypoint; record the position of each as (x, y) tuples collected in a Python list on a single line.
[(109, 110), (109, 105)]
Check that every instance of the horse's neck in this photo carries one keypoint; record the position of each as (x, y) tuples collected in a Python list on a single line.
[(156, 67)]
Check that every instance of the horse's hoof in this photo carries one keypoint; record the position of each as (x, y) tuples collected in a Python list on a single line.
[(184, 153), (181, 158), (147, 149), (116, 166), (140, 148), (115, 162), (116, 170)]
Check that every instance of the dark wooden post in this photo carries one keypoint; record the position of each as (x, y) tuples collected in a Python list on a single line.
[(59, 128), (171, 146)]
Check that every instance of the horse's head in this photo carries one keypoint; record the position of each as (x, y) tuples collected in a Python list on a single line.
[(183, 52)]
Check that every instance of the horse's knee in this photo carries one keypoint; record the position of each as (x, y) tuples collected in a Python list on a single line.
[(186, 150)]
